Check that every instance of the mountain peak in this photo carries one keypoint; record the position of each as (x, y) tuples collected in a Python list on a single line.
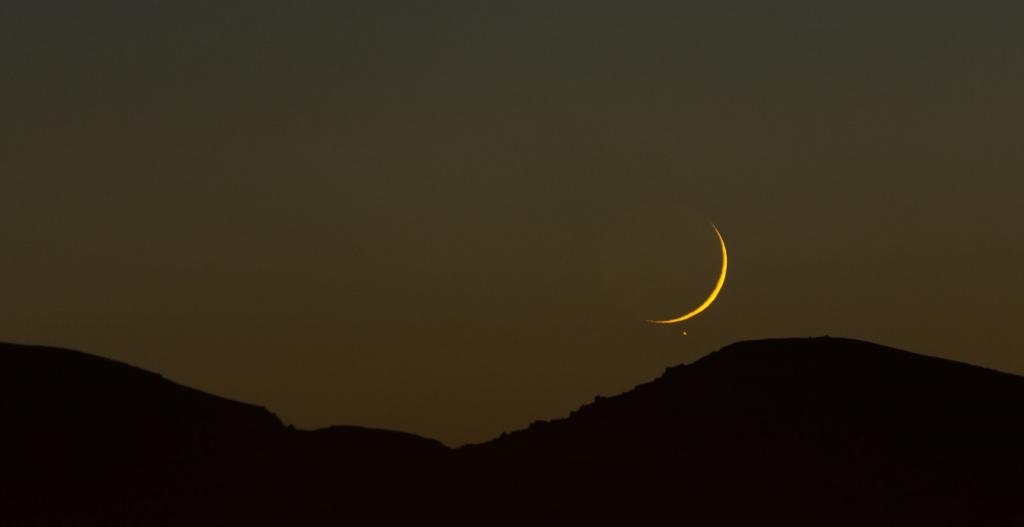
[(798, 431), (59, 387)]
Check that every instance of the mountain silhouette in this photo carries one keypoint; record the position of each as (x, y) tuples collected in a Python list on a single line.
[(821, 431)]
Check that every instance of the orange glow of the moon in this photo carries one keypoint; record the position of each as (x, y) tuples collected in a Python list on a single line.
[(714, 293)]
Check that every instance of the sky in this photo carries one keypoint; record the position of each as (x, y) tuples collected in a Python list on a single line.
[(452, 218)]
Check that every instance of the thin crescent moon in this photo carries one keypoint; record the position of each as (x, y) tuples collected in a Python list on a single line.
[(714, 293)]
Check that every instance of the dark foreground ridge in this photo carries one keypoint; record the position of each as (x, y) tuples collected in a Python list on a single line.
[(817, 431)]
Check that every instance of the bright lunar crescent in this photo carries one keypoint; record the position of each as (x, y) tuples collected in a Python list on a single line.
[(714, 292)]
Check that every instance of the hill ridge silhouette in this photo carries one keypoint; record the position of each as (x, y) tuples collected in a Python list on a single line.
[(795, 431)]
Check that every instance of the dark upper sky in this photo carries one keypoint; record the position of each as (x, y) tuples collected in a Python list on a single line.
[(451, 218)]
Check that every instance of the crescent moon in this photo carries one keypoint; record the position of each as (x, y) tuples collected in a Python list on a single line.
[(714, 292)]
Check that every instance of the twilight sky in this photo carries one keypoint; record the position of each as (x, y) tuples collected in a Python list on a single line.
[(452, 217)]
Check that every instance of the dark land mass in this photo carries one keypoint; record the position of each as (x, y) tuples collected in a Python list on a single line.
[(820, 431)]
